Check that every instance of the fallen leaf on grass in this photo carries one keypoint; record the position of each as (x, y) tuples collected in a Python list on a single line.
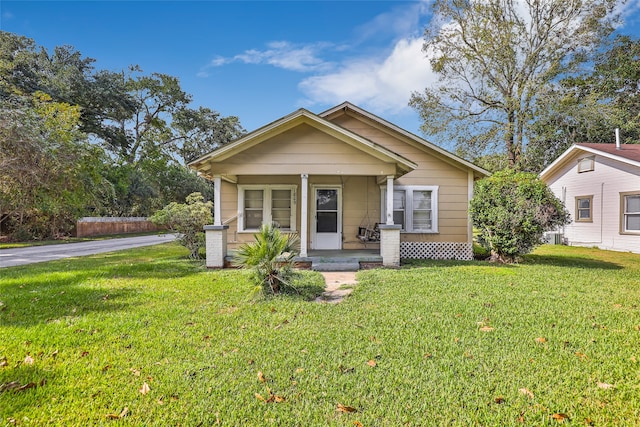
[(560, 417), (344, 408), (541, 340), (135, 372), (145, 388), (526, 392), (357, 424), (605, 386), (28, 360), (372, 363), (499, 400), (261, 377), (486, 329), (3, 362), (272, 397), (582, 356), (16, 386), (122, 414)]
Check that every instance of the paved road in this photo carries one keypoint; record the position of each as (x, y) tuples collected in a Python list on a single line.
[(33, 254)]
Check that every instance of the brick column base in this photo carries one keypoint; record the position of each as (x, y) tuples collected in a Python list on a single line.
[(390, 245), (216, 245)]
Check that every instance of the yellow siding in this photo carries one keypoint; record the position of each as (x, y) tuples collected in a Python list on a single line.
[(432, 169), (330, 161), (303, 149)]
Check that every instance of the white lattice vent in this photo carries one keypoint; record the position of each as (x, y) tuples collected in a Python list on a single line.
[(462, 251)]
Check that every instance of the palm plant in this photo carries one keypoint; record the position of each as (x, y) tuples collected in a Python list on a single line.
[(270, 257)]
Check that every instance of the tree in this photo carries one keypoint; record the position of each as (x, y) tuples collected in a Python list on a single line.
[(270, 257), (513, 210), (48, 171), (588, 107), (493, 57), (188, 219)]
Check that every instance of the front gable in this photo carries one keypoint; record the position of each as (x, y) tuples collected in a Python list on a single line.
[(303, 143)]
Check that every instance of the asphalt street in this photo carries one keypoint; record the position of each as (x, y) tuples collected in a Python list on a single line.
[(33, 254)]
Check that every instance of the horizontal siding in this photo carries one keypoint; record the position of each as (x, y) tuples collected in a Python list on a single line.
[(605, 183)]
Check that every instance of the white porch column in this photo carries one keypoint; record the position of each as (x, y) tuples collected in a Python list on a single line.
[(389, 200), (390, 244), (304, 215), (216, 245), (469, 196), (217, 209)]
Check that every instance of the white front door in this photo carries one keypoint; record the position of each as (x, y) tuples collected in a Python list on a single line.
[(327, 218)]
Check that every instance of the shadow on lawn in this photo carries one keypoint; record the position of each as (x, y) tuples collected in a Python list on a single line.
[(571, 262)]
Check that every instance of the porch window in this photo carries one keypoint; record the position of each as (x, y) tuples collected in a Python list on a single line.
[(415, 208), (630, 204), (260, 204), (584, 209)]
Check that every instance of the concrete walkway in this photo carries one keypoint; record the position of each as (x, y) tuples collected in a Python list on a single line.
[(33, 254), (339, 285)]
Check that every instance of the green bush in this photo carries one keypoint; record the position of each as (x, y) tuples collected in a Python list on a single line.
[(512, 210), (188, 220), (270, 257)]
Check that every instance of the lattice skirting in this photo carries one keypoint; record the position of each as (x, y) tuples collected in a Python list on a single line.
[(437, 250)]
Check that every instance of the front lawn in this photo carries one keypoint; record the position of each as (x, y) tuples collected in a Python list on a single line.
[(147, 337)]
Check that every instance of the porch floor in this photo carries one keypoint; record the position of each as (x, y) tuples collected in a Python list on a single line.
[(336, 260)]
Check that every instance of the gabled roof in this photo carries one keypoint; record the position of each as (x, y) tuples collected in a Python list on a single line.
[(627, 153), (348, 106), (297, 118)]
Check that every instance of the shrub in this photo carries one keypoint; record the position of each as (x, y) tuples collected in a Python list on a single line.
[(270, 257), (188, 220), (512, 210)]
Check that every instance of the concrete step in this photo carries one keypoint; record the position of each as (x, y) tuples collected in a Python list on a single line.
[(336, 266)]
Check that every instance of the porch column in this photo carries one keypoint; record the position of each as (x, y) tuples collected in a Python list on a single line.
[(390, 244), (216, 245), (304, 215), (217, 214), (389, 200)]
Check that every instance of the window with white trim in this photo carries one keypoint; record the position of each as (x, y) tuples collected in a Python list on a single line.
[(630, 204), (415, 208), (261, 204)]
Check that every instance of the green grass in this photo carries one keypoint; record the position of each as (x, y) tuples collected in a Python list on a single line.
[(454, 343)]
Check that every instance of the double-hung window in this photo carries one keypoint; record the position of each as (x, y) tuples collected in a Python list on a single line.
[(584, 209), (415, 208), (262, 204), (630, 208)]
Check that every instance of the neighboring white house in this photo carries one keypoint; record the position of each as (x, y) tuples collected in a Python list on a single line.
[(600, 186)]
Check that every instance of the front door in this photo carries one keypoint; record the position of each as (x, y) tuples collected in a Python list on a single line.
[(327, 221)]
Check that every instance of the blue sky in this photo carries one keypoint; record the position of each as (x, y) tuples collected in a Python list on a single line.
[(258, 60)]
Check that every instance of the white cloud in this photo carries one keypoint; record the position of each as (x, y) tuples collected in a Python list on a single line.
[(384, 84), (280, 54)]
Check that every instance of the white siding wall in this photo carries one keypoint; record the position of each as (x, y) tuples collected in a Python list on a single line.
[(605, 183)]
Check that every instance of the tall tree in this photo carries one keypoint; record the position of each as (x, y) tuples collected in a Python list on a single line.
[(589, 106), (493, 57)]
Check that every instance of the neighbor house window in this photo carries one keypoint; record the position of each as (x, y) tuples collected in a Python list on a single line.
[(261, 204), (584, 209), (630, 208), (414, 208), (586, 164)]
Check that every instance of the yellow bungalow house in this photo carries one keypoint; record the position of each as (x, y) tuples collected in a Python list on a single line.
[(343, 180)]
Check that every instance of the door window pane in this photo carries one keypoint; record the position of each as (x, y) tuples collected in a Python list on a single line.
[(327, 200), (327, 222)]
